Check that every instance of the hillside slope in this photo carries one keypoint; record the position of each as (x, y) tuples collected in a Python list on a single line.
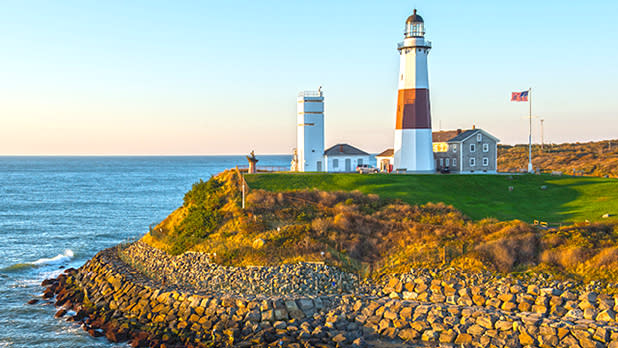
[(593, 158), (372, 235)]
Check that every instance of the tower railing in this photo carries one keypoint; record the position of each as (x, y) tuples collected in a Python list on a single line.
[(403, 44), (310, 94)]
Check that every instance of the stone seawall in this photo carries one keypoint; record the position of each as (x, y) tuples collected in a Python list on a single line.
[(133, 293)]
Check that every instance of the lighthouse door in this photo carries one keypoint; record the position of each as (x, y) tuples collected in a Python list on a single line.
[(348, 165), (319, 166)]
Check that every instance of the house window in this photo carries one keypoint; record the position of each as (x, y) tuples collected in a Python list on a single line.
[(485, 161), (335, 163), (454, 147), (360, 161), (479, 137), (485, 147), (472, 161), (441, 162), (472, 148), (454, 162), (448, 160)]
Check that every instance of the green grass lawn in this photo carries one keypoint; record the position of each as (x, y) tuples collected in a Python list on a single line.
[(566, 199)]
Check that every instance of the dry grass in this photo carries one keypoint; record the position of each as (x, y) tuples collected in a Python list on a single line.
[(364, 233), (593, 158)]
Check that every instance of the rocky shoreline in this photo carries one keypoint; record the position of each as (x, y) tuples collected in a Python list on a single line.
[(143, 296)]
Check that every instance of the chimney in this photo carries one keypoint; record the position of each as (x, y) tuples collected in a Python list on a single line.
[(473, 126), (340, 148), (458, 131)]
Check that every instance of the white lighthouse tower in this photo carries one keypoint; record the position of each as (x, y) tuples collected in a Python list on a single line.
[(310, 131), (413, 145)]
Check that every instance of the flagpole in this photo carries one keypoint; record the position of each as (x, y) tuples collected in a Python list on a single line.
[(530, 169)]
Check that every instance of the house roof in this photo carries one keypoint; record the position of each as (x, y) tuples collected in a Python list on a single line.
[(470, 132), (344, 149), (464, 135), (444, 136), (386, 153)]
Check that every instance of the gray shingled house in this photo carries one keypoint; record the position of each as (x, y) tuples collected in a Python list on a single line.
[(469, 151)]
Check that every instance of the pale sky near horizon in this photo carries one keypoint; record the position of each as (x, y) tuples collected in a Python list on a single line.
[(206, 77)]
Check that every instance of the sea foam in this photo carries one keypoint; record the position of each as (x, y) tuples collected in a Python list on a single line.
[(60, 258)]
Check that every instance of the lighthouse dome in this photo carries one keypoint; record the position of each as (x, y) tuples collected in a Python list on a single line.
[(415, 27), (415, 18)]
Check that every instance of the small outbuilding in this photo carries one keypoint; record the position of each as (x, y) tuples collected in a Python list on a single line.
[(384, 161), (344, 158)]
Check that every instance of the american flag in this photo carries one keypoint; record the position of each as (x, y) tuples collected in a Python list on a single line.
[(519, 96)]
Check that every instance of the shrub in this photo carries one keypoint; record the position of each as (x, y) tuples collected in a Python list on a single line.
[(565, 257), (606, 257), (507, 253), (321, 226)]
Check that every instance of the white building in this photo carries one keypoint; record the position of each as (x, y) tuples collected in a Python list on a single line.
[(344, 158), (310, 131), (413, 150), (385, 161)]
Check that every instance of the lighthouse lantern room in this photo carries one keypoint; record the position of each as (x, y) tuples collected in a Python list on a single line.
[(413, 150)]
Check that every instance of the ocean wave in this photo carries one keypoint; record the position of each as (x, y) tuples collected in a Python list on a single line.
[(18, 267), (58, 259)]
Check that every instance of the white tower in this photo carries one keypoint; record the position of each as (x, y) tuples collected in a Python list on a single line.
[(413, 144), (310, 131)]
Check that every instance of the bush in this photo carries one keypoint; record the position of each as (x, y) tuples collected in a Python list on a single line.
[(565, 257), (606, 257), (507, 253)]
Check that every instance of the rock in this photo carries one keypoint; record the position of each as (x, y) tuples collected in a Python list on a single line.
[(447, 336), (279, 325), (476, 330), (525, 339), (606, 315), (280, 314), (504, 325), (574, 314), (33, 301), (463, 338), (485, 322), (409, 334)]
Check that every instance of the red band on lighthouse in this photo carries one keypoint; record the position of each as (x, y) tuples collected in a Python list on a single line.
[(413, 109)]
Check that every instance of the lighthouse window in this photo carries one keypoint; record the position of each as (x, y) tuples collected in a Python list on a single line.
[(335, 163), (454, 147), (472, 161), (472, 148), (454, 162), (485, 161), (485, 147)]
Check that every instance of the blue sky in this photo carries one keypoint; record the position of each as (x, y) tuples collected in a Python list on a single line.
[(205, 77)]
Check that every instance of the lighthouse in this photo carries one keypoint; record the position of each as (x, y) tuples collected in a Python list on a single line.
[(310, 131), (413, 145)]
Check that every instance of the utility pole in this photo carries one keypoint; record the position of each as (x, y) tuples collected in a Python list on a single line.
[(530, 169), (542, 142)]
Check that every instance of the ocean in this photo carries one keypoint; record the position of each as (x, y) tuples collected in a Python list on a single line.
[(57, 212)]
